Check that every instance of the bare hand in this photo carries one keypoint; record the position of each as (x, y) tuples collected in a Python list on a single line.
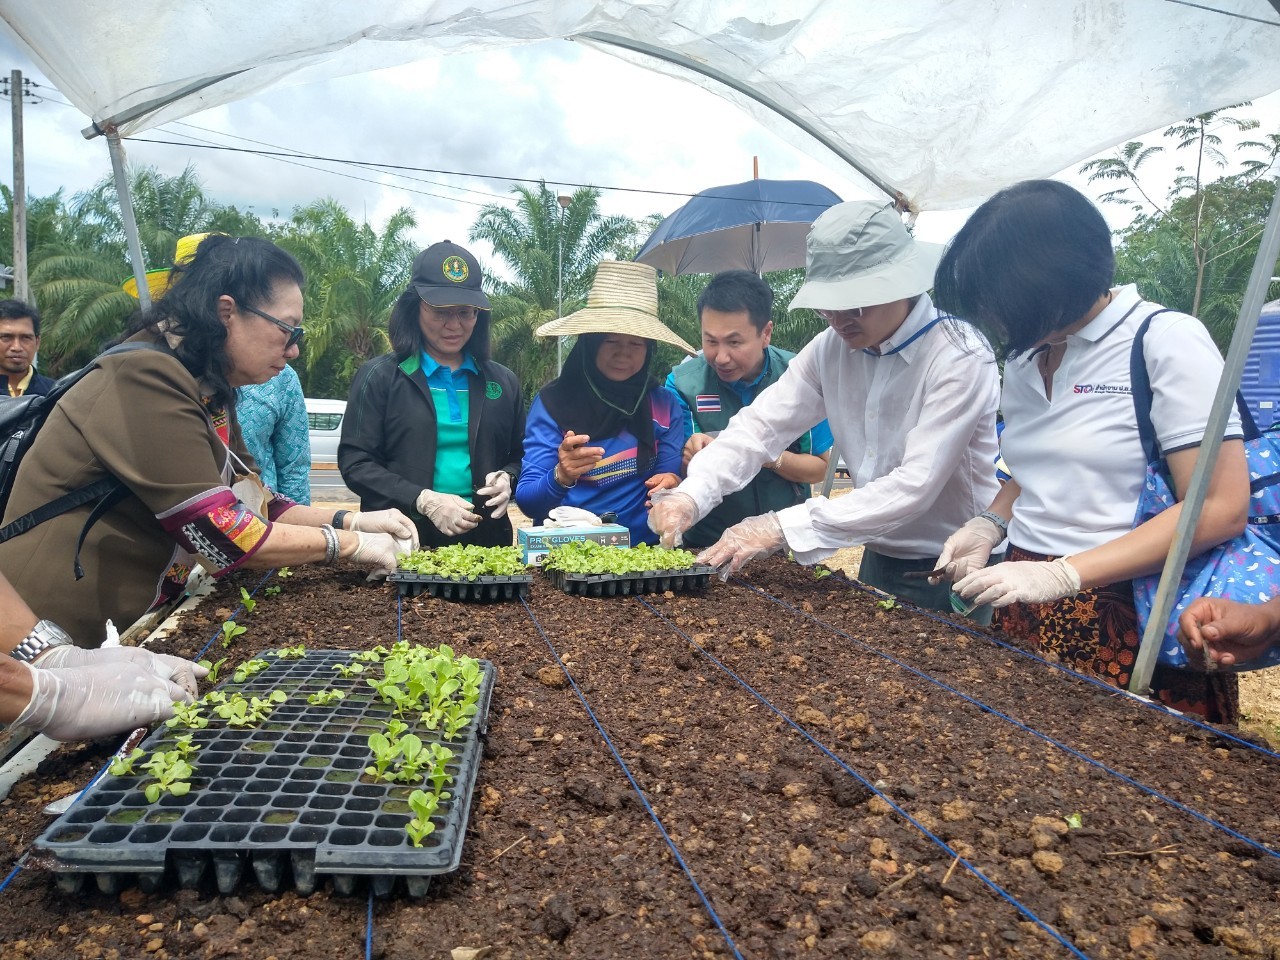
[(575, 457), (694, 444), (659, 481), (1233, 632)]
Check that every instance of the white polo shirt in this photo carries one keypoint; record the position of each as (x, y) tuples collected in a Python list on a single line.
[(916, 427), (1077, 456)]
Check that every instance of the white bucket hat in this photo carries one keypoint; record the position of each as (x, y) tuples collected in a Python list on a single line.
[(859, 254), (623, 299)]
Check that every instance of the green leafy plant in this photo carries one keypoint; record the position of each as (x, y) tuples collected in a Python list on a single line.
[(887, 604), (1074, 821), (247, 601), (587, 556), (415, 756), (820, 572), (271, 591), (239, 712), (385, 752), (214, 669), (348, 670), (188, 715), (231, 630), (463, 562), (250, 668), (323, 698), (440, 757), (184, 746), (172, 775), (284, 572), (123, 766), (424, 806), (292, 653)]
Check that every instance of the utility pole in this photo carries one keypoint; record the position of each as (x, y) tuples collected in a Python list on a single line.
[(564, 202), (21, 288)]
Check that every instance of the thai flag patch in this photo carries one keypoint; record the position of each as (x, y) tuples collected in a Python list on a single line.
[(707, 403)]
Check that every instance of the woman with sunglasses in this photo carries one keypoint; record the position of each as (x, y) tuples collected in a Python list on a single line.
[(160, 419)]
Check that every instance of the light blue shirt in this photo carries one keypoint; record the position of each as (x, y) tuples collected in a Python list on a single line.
[(273, 420)]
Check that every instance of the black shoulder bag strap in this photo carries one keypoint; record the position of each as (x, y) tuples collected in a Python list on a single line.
[(109, 490)]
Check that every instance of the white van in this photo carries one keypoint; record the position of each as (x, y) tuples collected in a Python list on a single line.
[(324, 421)]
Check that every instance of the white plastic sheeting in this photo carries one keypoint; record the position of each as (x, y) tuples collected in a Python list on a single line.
[(944, 101)]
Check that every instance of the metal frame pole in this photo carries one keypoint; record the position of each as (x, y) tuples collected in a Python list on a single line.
[(21, 286), (127, 218), (1241, 341)]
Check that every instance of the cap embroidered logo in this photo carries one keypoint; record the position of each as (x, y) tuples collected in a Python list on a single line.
[(455, 268)]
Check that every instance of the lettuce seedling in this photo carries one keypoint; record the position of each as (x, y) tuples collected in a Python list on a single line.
[(239, 712), (213, 668), (250, 668), (247, 601), (348, 670), (123, 766), (284, 572), (184, 746), (415, 756), (585, 556), (323, 698), (440, 757), (395, 728), (171, 773), (887, 604), (457, 715), (231, 630), (188, 715), (271, 591), (463, 562), (292, 653), (423, 805), (384, 755)]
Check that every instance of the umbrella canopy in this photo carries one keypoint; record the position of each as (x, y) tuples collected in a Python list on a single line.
[(759, 225)]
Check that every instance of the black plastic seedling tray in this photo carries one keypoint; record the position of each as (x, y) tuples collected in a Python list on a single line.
[(287, 799), (627, 584), (485, 588)]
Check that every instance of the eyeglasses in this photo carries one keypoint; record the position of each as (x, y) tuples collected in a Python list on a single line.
[(460, 314), (296, 333), (830, 315)]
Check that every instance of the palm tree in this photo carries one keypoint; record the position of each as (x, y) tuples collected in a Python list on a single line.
[(552, 254), (355, 273)]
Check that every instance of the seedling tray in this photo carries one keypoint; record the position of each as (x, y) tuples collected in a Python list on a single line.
[(627, 584), (288, 799), (483, 588)]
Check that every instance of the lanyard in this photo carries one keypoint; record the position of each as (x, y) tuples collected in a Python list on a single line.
[(911, 339)]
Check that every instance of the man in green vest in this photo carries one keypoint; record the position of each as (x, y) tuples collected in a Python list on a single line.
[(735, 366)]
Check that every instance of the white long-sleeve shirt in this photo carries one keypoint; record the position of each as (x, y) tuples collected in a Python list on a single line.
[(916, 427)]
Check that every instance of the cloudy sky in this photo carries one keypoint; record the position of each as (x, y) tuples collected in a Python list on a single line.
[(556, 110)]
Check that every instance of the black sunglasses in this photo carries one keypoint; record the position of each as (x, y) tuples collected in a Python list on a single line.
[(295, 333)]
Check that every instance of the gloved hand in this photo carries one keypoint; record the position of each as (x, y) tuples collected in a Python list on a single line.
[(673, 513), (377, 553), (182, 672), (78, 703), (751, 538), (1020, 581), (968, 549), (383, 521), (451, 514), (497, 486)]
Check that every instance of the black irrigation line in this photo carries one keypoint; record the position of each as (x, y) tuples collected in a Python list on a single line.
[(987, 708), (1101, 684), (644, 800), (1017, 904)]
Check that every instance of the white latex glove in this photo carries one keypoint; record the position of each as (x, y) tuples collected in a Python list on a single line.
[(377, 553), (570, 517), (182, 672), (383, 521), (497, 487), (1020, 581), (751, 538), (968, 549), (672, 514), (78, 703), (450, 514)]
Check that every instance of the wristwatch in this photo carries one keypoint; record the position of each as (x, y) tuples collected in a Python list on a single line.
[(43, 635)]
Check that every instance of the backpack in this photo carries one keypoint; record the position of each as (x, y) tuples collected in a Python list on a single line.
[(20, 421)]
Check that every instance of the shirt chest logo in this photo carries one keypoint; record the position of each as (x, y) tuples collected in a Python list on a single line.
[(1103, 389), (707, 403)]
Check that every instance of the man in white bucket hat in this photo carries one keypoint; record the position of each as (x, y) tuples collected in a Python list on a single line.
[(911, 398)]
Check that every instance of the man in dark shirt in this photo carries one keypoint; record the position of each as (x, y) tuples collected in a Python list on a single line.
[(19, 341)]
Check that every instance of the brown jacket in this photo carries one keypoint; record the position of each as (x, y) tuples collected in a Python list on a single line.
[(138, 417)]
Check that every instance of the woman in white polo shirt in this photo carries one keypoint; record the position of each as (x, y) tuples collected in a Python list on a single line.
[(1033, 268)]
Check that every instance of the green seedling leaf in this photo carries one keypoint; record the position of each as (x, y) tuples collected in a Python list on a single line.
[(887, 604), (348, 670), (187, 715), (123, 766), (231, 630), (292, 653), (820, 572), (1074, 820), (271, 591), (247, 601), (590, 557), (323, 698), (213, 668), (284, 572), (463, 562), (250, 668)]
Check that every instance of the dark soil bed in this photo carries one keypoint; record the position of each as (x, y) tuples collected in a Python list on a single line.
[(795, 855)]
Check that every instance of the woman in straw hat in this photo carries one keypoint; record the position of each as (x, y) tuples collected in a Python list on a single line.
[(160, 420), (606, 433)]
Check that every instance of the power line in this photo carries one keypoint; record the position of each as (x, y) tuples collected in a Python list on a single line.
[(1225, 13)]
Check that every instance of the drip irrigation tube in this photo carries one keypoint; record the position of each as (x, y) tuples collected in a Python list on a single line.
[(1103, 685), (987, 708), (938, 841), (644, 800), (268, 576)]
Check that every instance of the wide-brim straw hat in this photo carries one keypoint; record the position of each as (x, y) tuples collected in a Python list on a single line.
[(859, 254), (623, 299), (158, 280)]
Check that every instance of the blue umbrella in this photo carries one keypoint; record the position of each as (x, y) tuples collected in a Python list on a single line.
[(759, 225)]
